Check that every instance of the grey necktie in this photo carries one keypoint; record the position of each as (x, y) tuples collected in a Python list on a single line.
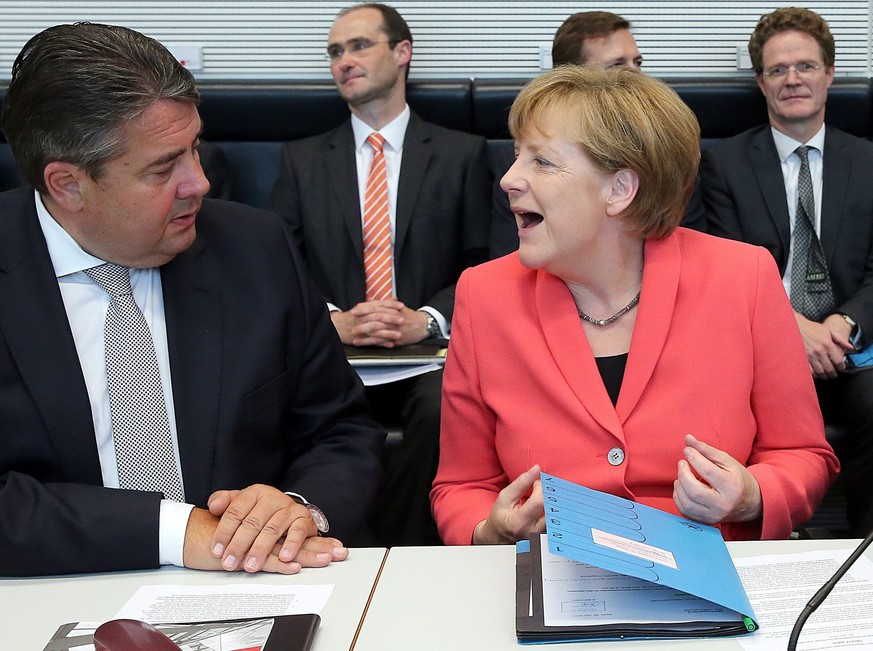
[(811, 293), (140, 426)]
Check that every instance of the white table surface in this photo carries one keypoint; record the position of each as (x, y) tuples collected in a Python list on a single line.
[(32, 609), (460, 598)]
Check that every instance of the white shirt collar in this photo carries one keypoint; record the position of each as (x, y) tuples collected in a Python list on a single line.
[(786, 145), (66, 254), (394, 132)]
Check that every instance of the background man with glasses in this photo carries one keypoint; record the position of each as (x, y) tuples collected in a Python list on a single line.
[(805, 192), (435, 204)]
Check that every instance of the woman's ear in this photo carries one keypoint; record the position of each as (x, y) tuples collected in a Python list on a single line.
[(625, 184)]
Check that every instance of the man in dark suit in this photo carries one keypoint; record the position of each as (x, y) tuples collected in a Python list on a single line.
[(437, 185), (803, 191), (590, 38), (211, 374)]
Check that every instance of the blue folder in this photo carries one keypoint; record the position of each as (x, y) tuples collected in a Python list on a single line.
[(629, 538)]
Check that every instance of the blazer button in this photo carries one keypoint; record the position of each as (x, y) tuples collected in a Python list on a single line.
[(615, 456)]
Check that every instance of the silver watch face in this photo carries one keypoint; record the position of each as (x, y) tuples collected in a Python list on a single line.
[(319, 518)]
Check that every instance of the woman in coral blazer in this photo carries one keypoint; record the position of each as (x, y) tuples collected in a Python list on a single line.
[(615, 350)]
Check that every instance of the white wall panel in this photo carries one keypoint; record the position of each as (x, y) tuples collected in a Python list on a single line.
[(283, 39)]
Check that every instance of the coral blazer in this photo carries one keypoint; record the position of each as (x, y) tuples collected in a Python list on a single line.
[(715, 352)]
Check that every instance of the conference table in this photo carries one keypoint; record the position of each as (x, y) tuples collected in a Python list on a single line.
[(421, 598), (463, 598), (32, 609)]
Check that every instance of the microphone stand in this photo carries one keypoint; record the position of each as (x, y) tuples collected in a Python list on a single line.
[(825, 590)]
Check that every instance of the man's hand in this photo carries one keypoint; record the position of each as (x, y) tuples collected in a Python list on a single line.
[(380, 323), (713, 487), (258, 528), (826, 344), (513, 516), (372, 323)]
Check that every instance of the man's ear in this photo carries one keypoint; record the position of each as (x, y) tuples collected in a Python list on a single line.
[(403, 52), (625, 184), (64, 184)]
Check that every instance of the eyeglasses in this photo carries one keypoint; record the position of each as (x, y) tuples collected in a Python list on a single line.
[(356, 47), (803, 69)]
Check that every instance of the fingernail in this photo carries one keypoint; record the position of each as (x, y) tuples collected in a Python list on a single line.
[(252, 563), (323, 556), (229, 562), (285, 556), (217, 549)]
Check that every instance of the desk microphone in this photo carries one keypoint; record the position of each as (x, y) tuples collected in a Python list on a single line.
[(825, 590)]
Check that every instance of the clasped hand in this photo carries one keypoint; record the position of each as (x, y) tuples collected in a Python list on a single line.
[(380, 323), (256, 529)]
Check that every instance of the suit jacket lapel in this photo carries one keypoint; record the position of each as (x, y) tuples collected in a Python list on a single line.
[(192, 306), (35, 327), (570, 350), (416, 157), (655, 312), (768, 173), (836, 170), (343, 175)]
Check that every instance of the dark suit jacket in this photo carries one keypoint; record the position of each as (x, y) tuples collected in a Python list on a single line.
[(441, 217), (744, 196), (262, 393)]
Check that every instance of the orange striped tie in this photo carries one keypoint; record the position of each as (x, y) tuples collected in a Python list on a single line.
[(377, 226)]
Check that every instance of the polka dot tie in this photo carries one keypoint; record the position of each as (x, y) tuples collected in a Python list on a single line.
[(811, 293), (140, 426), (377, 226)]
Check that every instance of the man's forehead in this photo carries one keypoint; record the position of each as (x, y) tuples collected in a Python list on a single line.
[(356, 24), (790, 42), (602, 50)]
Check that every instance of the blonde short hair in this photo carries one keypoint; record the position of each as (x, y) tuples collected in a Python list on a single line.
[(622, 119)]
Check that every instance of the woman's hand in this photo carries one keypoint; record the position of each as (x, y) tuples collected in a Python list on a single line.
[(714, 487), (514, 514)]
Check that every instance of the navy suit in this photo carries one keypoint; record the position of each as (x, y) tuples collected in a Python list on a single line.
[(744, 196), (441, 228), (262, 394)]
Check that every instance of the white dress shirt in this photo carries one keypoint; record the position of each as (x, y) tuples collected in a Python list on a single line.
[(394, 133), (86, 303)]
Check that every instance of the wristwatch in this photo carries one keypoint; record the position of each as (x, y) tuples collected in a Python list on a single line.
[(318, 516), (433, 328), (854, 334)]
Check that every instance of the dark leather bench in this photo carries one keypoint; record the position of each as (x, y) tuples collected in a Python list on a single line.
[(251, 120)]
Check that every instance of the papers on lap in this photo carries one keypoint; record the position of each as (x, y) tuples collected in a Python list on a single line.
[(609, 568), (430, 351), (376, 365)]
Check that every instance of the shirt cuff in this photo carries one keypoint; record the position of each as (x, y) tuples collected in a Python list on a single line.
[(171, 533), (445, 326)]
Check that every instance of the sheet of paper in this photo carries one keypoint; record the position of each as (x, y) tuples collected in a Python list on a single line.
[(185, 603), (374, 375), (780, 586), (577, 594)]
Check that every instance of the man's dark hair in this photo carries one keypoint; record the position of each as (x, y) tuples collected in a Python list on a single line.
[(569, 44), (75, 87)]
